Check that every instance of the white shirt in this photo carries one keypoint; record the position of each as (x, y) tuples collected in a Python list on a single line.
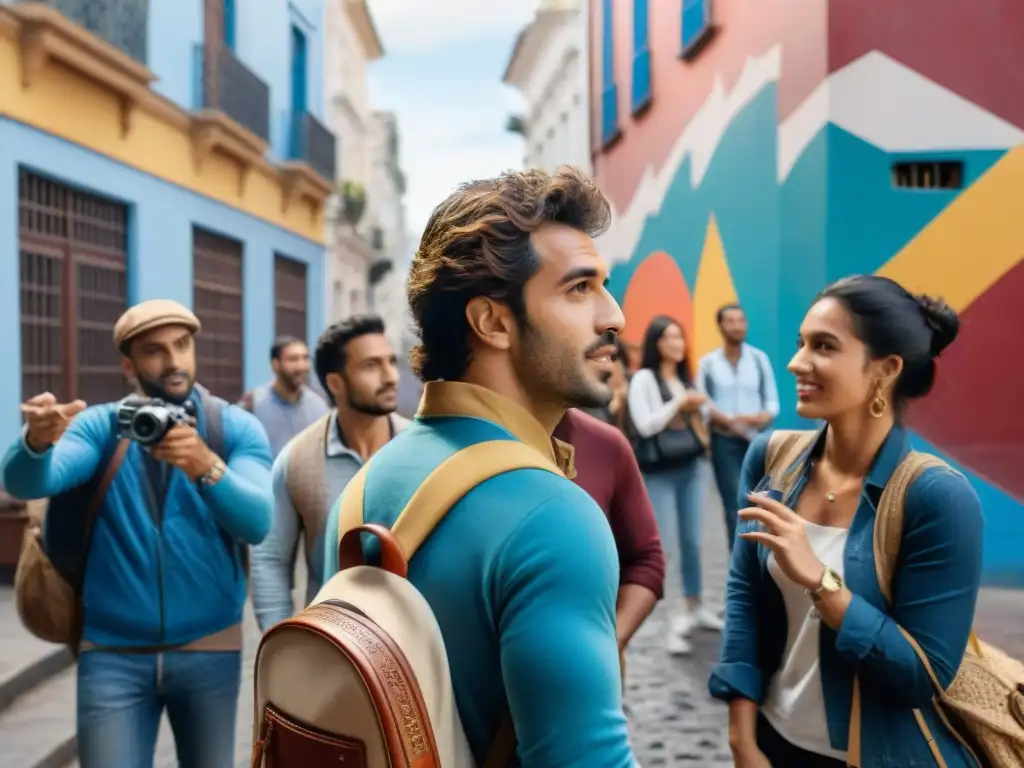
[(795, 705), (649, 413)]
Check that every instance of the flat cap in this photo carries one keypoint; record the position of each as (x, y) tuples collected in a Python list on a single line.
[(151, 314)]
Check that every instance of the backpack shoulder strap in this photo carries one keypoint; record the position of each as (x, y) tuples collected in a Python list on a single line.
[(784, 447), (762, 384), (888, 531), (213, 411), (443, 488), (247, 402)]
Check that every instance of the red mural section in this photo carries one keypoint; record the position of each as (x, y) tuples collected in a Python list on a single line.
[(974, 412), (987, 67), (657, 288)]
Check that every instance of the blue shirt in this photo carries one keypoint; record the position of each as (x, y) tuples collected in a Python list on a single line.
[(935, 589), (744, 389), (522, 575), (163, 576)]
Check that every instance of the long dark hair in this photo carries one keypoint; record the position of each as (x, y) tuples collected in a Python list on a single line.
[(651, 357)]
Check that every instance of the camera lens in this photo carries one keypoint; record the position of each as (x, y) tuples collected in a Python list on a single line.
[(144, 426)]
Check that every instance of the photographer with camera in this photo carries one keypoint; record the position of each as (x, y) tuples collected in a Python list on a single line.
[(172, 484)]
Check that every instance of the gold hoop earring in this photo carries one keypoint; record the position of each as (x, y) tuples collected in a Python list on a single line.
[(878, 405)]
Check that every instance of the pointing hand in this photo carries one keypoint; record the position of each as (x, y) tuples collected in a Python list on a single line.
[(47, 419)]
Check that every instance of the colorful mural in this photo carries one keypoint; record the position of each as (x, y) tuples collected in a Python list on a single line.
[(762, 167)]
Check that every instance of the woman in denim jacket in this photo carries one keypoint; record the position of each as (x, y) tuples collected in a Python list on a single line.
[(804, 612)]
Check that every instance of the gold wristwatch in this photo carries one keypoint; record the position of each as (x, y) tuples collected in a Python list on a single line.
[(831, 582), (213, 476)]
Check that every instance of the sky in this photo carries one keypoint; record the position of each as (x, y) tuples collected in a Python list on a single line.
[(441, 74)]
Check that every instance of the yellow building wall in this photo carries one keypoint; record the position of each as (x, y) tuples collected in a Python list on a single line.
[(66, 104)]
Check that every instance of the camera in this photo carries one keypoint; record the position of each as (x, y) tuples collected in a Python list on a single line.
[(148, 420)]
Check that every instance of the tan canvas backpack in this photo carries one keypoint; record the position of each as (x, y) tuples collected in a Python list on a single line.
[(984, 705), (360, 678)]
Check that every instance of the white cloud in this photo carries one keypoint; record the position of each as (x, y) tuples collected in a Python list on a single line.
[(407, 26)]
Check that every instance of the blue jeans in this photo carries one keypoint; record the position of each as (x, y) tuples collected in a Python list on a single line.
[(727, 454), (121, 697), (676, 494)]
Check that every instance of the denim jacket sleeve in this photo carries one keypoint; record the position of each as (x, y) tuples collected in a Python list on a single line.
[(935, 590), (738, 673)]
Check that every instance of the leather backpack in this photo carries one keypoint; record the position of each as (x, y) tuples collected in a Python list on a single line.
[(360, 678)]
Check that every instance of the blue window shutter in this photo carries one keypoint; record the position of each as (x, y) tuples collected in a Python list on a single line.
[(229, 24), (695, 23), (609, 93), (641, 56)]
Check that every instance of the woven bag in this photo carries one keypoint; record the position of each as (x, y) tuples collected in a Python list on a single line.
[(984, 705)]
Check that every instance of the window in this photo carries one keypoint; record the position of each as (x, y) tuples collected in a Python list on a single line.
[(641, 56), (696, 26), (229, 24), (217, 302), (73, 252), (928, 174), (609, 93), (299, 76), (289, 297)]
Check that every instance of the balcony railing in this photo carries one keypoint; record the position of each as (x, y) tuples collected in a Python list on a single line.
[(310, 141), (223, 82), (122, 23)]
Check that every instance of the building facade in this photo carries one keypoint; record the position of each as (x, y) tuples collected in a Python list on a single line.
[(755, 152), (158, 150), (389, 235), (393, 247), (549, 67), (352, 43)]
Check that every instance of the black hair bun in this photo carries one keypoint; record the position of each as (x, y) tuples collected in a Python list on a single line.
[(941, 319)]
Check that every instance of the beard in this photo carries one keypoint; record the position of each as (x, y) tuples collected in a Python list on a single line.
[(154, 388), (558, 372), (370, 406)]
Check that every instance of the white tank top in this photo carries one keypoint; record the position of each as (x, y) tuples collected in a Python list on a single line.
[(795, 705)]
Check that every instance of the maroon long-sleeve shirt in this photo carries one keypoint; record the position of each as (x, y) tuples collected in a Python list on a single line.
[(607, 470)]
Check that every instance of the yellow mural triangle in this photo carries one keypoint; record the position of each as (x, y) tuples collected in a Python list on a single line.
[(713, 289)]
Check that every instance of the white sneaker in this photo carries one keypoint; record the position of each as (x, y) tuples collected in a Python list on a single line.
[(679, 645), (702, 618), (705, 619)]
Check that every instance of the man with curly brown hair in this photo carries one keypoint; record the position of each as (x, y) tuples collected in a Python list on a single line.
[(507, 291)]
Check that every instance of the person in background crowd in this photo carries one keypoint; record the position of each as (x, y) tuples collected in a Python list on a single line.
[(615, 412), (516, 326), (607, 470), (355, 363), (286, 405), (739, 381), (165, 583), (671, 444), (806, 620)]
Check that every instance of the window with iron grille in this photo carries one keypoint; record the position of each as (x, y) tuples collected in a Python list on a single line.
[(217, 302), (73, 252), (289, 297), (928, 174)]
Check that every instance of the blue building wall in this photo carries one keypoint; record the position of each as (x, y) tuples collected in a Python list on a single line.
[(262, 42), (161, 217)]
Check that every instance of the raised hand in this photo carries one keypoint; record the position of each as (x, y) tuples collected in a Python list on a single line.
[(47, 419)]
